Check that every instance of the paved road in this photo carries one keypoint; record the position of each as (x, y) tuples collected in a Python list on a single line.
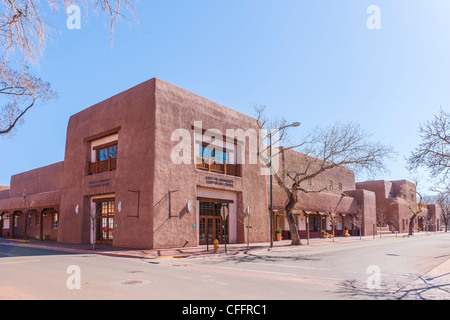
[(382, 269)]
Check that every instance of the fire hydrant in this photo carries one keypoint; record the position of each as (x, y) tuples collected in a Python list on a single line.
[(216, 245)]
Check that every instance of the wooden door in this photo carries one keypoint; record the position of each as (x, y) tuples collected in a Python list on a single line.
[(105, 221), (211, 224)]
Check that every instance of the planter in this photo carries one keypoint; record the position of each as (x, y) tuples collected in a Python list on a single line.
[(279, 237)]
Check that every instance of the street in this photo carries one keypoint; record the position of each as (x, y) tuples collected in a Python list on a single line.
[(381, 269)]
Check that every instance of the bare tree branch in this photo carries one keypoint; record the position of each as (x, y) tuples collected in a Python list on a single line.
[(24, 25), (408, 193), (24, 28), (443, 200), (433, 152), (20, 91), (339, 145)]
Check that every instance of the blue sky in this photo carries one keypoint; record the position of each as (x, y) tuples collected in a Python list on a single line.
[(310, 61)]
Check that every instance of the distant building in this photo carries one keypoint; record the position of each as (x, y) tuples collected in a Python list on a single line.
[(393, 201), (339, 197)]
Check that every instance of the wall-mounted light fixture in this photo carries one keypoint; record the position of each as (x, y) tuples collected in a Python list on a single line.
[(189, 206), (77, 209), (119, 206)]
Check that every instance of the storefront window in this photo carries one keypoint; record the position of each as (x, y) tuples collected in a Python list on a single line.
[(314, 223), (55, 220)]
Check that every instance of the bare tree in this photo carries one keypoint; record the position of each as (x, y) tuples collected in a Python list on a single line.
[(433, 152), (20, 92), (24, 30), (381, 216), (427, 222), (334, 219), (408, 193), (339, 145), (358, 219), (443, 200), (93, 219), (24, 24)]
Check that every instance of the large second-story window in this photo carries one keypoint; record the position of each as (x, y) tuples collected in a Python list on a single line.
[(214, 155), (217, 159), (106, 152), (103, 158)]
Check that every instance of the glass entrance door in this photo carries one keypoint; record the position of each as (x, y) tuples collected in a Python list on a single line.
[(211, 223), (105, 221)]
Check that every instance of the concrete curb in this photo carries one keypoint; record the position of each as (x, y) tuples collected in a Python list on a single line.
[(193, 252)]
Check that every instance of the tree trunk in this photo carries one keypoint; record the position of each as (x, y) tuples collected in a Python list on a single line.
[(411, 225), (291, 218), (293, 227)]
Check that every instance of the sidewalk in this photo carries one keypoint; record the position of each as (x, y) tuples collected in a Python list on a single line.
[(189, 252), (434, 285)]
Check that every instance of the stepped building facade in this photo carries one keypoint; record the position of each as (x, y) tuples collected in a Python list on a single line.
[(157, 166)]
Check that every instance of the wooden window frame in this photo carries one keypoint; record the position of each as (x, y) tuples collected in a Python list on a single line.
[(109, 164)]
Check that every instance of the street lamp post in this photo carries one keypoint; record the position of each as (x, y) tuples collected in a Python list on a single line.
[(295, 124)]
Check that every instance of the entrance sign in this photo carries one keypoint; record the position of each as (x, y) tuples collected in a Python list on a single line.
[(220, 181)]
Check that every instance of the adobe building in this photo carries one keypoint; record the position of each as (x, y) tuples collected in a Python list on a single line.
[(148, 168), (393, 202), (330, 211), (118, 184), (37, 192)]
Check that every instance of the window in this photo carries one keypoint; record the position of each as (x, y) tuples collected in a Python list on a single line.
[(6, 221), (55, 220), (107, 153), (340, 186), (330, 185), (218, 159), (404, 224), (104, 158), (314, 223), (215, 155)]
